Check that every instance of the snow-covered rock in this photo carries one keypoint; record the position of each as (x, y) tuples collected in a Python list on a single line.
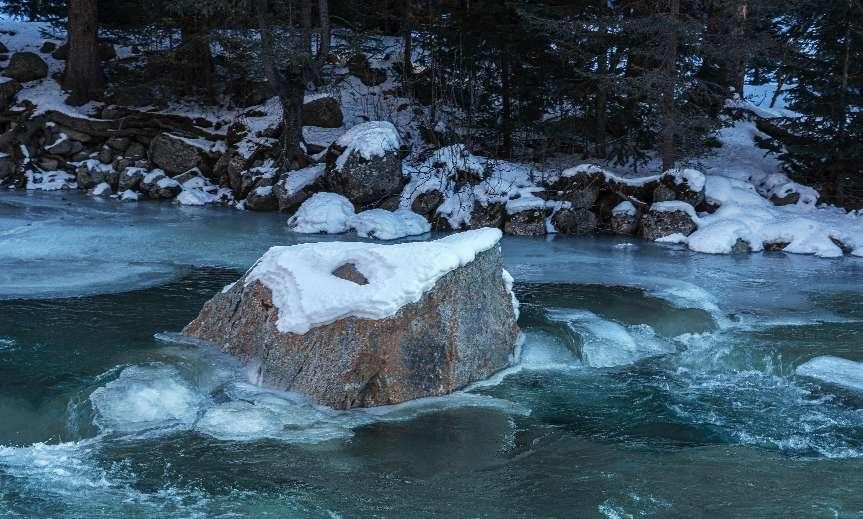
[(668, 218), (834, 370), (294, 187), (364, 164), (359, 324)]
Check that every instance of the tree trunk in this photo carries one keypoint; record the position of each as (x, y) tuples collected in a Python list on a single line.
[(289, 84), (324, 46), (669, 152), (407, 39), (506, 108), (195, 57), (83, 77)]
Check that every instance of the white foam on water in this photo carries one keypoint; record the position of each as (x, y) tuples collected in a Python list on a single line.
[(606, 343), (7, 343)]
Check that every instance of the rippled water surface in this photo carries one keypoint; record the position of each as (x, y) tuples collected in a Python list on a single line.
[(653, 382)]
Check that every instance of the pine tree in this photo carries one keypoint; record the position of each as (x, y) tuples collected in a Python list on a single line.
[(83, 77), (827, 66)]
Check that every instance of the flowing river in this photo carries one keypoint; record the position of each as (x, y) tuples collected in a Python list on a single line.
[(653, 382)]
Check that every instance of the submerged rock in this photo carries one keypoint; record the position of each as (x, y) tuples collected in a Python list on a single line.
[(359, 324)]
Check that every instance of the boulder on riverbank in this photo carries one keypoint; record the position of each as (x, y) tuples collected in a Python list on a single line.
[(359, 324)]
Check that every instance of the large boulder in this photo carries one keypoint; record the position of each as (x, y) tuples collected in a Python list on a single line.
[(411, 320), (324, 112), (668, 218), (365, 164), (26, 66), (176, 154)]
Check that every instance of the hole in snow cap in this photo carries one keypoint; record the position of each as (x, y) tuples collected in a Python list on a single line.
[(349, 272)]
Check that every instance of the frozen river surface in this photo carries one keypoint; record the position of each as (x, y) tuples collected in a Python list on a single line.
[(654, 381)]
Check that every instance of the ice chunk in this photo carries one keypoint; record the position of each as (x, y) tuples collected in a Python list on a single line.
[(323, 212), (834, 370), (307, 294), (146, 397)]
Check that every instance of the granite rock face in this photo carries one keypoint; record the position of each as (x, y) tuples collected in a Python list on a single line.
[(460, 331)]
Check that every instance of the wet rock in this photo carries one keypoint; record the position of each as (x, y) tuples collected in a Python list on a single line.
[(846, 249), (577, 222), (130, 179), (526, 223), (667, 218), (106, 155), (461, 330), (741, 246), (774, 246), (8, 168), (119, 144), (26, 66), (324, 112), (64, 147)]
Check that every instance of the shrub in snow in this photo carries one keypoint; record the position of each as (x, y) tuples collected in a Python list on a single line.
[(364, 164), (361, 324)]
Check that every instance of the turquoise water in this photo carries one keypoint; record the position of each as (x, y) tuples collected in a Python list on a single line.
[(653, 382)]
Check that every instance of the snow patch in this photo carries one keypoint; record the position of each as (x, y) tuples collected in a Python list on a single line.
[(369, 140)]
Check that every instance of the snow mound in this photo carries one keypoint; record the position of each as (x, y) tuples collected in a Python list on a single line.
[(834, 370), (691, 177), (746, 215), (389, 225), (369, 140), (323, 213), (307, 294), (331, 213)]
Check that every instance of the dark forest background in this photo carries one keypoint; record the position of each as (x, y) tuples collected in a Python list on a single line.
[(619, 80)]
